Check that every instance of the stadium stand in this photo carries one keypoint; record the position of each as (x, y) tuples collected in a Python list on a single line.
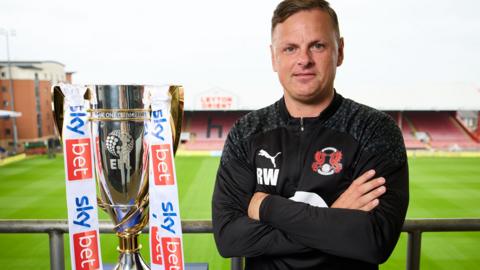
[(411, 142), (208, 130), (408, 134), (443, 129)]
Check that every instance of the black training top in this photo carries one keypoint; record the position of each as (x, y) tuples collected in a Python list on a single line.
[(305, 164)]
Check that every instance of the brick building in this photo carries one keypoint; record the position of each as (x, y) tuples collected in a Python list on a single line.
[(32, 82)]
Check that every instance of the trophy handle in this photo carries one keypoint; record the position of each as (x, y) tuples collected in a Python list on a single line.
[(57, 108), (58, 99), (176, 111)]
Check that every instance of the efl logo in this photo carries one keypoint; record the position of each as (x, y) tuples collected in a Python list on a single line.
[(86, 250), (162, 165), (79, 159), (156, 246), (172, 248)]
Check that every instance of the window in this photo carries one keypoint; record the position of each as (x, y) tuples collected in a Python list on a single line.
[(39, 125), (5, 103), (7, 132), (3, 74), (4, 89)]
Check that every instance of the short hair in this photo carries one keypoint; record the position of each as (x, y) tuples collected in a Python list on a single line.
[(287, 8)]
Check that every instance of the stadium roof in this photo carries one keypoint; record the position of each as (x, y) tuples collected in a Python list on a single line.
[(28, 63)]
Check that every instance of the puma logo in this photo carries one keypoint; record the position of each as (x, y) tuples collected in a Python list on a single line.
[(264, 153)]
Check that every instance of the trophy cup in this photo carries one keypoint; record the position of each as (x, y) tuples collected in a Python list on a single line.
[(118, 114)]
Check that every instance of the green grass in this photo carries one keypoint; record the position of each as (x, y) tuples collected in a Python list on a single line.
[(440, 188)]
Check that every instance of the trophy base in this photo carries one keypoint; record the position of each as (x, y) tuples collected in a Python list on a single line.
[(130, 258), (131, 261)]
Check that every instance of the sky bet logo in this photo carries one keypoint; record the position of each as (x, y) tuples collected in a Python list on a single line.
[(76, 122), (169, 217), (79, 159), (172, 251), (162, 165), (158, 124), (83, 216), (85, 245)]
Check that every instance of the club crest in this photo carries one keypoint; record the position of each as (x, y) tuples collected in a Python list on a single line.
[(327, 161)]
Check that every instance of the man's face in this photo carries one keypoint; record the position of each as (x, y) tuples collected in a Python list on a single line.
[(305, 54)]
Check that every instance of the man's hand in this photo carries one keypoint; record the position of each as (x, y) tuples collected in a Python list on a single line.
[(254, 206), (362, 194)]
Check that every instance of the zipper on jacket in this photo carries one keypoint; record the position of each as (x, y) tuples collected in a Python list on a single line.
[(300, 154)]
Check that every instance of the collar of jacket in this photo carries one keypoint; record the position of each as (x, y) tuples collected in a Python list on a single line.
[(324, 115)]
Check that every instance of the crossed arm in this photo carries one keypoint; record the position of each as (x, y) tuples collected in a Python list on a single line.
[(363, 223), (362, 194)]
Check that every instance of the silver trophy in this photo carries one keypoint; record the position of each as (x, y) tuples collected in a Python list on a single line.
[(118, 114)]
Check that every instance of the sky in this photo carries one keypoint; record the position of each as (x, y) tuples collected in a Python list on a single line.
[(214, 44)]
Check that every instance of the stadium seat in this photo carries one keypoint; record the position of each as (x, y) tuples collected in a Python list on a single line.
[(443, 129)]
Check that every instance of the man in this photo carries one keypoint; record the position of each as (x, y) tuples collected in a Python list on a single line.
[(315, 180)]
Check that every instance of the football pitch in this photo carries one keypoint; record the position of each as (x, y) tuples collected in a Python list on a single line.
[(440, 187)]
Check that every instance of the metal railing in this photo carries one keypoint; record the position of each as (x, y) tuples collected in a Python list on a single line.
[(415, 228), (56, 228)]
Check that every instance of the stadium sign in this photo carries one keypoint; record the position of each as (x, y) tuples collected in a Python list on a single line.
[(216, 99)]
